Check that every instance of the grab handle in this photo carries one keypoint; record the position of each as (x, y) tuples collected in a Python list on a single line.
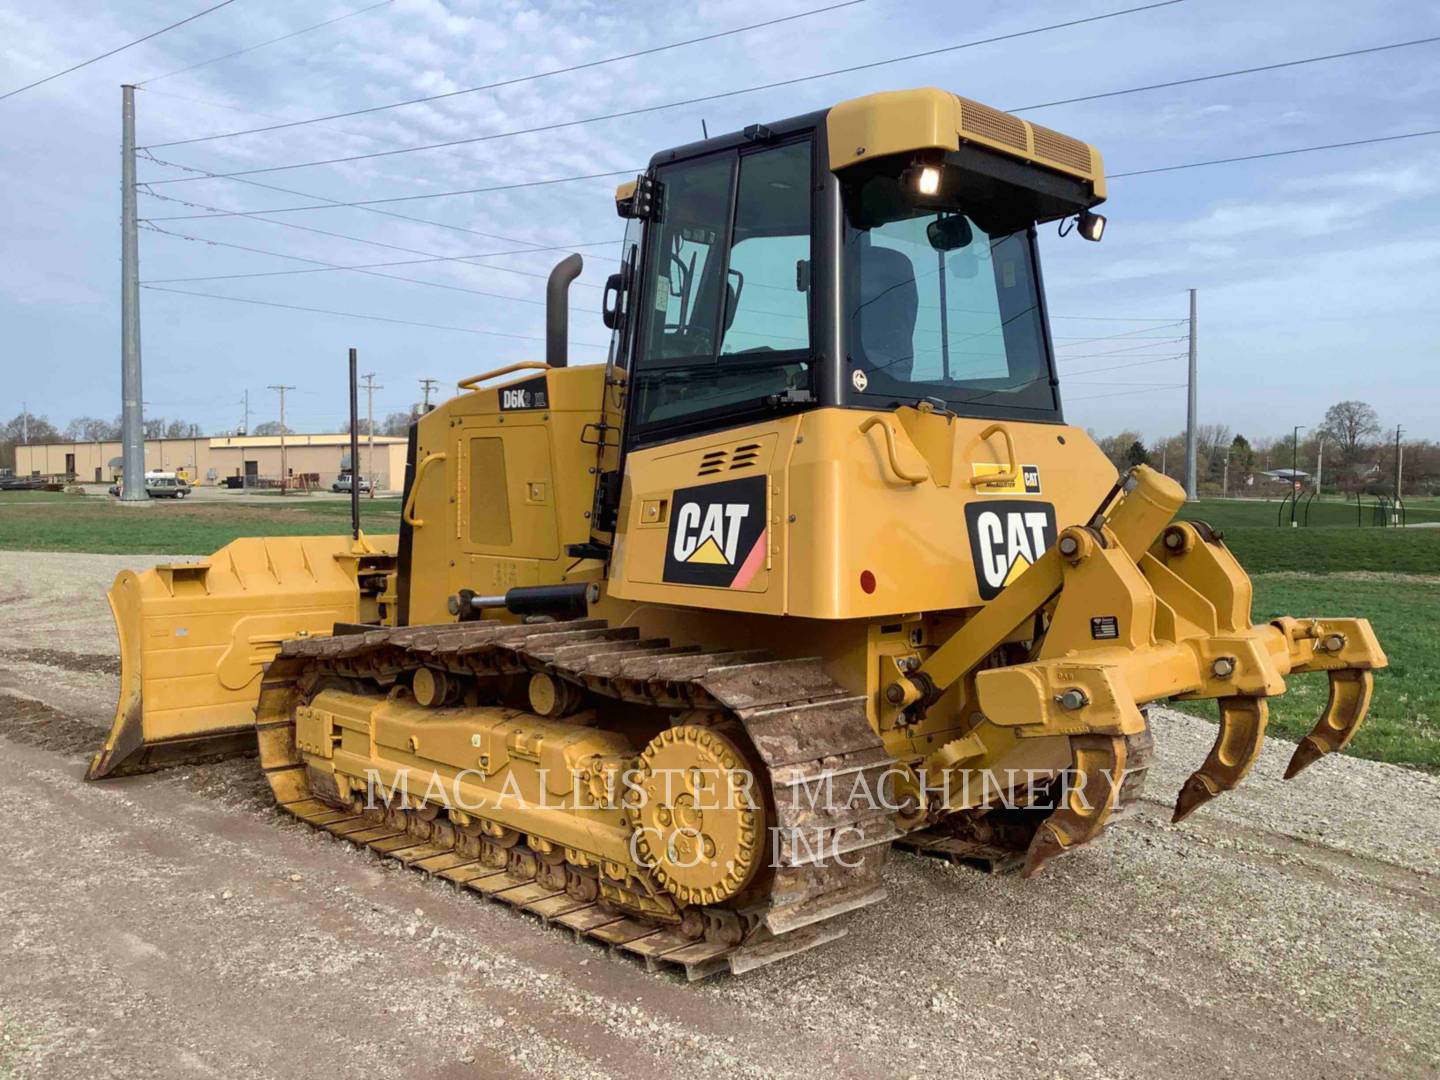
[(890, 450), (522, 365), (1011, 473), (408, 514)]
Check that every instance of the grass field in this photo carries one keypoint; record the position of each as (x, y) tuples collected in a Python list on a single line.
[(1337, 546), (1404, 723), (1391, 576), (49, 521)]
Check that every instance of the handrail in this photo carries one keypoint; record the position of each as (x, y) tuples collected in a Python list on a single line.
[(890, 450), (1012, 472), (522, 365), (407, 514)]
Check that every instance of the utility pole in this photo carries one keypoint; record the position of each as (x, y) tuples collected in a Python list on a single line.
[(25, 423), (354, 447), (1225, 480), (426, 385), (245, 427), (1399, 462), (1295, 472), (284, 471), (1190, 454), (132, 415), (370, 389), (1319, 464)]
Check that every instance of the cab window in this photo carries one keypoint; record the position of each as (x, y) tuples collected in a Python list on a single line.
[(727, 301)]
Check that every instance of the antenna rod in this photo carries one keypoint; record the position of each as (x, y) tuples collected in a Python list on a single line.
[(354, 447)]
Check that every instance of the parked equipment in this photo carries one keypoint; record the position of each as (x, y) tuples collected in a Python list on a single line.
[(672, 650)]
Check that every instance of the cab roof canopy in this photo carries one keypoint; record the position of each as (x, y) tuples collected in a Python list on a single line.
[(881, 125)]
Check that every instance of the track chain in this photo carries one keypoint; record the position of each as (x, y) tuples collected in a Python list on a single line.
[(807, 731)]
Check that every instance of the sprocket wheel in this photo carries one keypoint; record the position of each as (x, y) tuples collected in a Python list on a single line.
[(694, 801)]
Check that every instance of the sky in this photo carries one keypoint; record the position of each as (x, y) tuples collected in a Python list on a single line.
[(1318, 275)]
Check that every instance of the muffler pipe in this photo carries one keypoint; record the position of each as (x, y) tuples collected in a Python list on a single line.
[(557, 310)]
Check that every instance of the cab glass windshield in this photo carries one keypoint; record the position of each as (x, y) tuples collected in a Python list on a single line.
[(943, 304)]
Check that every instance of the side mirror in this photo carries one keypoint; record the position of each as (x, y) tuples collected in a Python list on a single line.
[(610, 302), (950, 233)]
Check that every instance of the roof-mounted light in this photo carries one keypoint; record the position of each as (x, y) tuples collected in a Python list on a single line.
[(1091, 226)]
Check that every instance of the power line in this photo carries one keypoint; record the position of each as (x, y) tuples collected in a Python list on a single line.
[(112, 52), (262, 44), (382, 244), (645, 109), (1125, 334), (1116, 352), (327, 201), (320, 266), (1228, 74), (519, 79), (1137, 363), (1126, 393), (394, 198), (357, 315), (1117, 318), (627, 172), (1277, 153)]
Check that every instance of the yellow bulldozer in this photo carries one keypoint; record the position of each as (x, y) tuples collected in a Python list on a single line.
[(671, 651)]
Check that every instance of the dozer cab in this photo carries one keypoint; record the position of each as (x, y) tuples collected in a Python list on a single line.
[(672, 650)]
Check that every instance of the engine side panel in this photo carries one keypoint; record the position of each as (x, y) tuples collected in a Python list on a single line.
[(509, 485), (846, 514)]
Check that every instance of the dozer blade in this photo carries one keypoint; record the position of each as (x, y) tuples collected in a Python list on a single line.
[(1350, 691), (1237, 745), (195, 638)]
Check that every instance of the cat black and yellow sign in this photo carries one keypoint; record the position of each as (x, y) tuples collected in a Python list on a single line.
[(717, 534), (1026, 482), (1006, 537)]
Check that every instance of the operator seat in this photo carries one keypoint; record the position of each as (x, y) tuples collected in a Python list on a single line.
[(882, 326)]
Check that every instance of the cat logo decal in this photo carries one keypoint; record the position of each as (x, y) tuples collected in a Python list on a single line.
[(1006, 537), (717, 534)]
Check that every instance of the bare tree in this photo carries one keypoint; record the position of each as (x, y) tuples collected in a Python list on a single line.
[(397, 423), (270, 427), (92, 429), (1351, 424), (25, 428), (1117, 447)]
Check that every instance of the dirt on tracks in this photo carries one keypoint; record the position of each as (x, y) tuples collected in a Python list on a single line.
[(177, 924)]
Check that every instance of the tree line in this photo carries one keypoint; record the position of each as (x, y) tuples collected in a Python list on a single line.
[(1349, 451), (27, 428)]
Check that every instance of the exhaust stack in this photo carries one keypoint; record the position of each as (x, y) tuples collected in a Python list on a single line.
[(557, 310)]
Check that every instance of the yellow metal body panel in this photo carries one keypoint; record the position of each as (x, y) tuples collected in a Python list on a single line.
[(836, 510), (903, 121), (508, 766), (514, 487)]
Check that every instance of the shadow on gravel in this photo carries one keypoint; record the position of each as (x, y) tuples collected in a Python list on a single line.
[(237, 782), (83, 663)]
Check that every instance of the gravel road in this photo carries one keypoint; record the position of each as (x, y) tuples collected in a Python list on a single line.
[(178, 925)]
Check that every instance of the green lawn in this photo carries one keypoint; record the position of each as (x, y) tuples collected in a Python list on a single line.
[(1404, 723), (1336, 546), (1390, 576), (50, 521)]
